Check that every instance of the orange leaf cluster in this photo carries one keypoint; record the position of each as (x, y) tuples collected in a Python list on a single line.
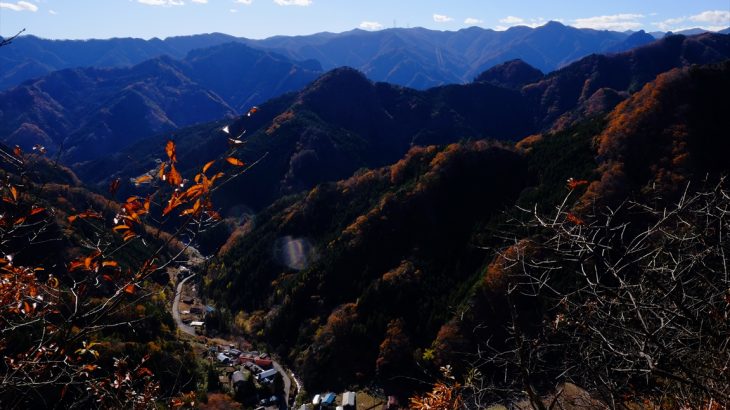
[(132, 211), (442, 397), (88, 214), (170, 150), (235, 162), (573, 183), (173, 176), (19, 290), (198, 194), (572, 218), (92, 263)]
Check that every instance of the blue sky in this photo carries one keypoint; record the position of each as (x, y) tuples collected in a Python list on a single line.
[(263, 18)]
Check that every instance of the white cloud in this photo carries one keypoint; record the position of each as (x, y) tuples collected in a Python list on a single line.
[(669, 24), (200, 1), (440, 18), (712, 20), (165, 3), (714, 17), (293, 2), (370, 25), (620, 22), (233, 11), (52, 12), (19, 6), (246, 2), (473, 21), (511, 21)]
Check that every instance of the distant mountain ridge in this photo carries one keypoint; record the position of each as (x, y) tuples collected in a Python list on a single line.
[(414, 57), (91, 112), (32, 57), (422, 58)]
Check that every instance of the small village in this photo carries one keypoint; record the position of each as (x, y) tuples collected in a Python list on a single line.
[(252, 377)]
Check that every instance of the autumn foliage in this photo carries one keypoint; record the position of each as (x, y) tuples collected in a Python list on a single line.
[(56, 315)]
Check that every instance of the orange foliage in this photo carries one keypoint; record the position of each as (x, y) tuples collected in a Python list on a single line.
[(575, 220), (235, 162), (404, 273), (35, 301), (413, 156), (395, 349), (525, 144), (627, 131), (280, 120), (170, 150), (341, 318), (449, 342), (575, 183), (442, 397), (505, 264), (233, 239)]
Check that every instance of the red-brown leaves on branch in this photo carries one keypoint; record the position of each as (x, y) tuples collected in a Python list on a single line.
[(92, 263), (170, 150), (161, 172), (173, 177), (235, 162), (575, 220), (207, 166), (12, 196), (174, 201), (442, 397), (88, 214), (144, 179), (185, 401), (573, 183), (114, 186)]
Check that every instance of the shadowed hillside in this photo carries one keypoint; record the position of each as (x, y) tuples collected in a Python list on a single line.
[(91, 112), (329, 271)]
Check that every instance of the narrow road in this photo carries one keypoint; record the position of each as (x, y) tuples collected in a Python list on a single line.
[(176, 308), (191, 331), (287, 381)]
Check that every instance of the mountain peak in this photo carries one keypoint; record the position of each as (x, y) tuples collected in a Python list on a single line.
[(341, 76), (510, 74), (339, 89), (554, 25)]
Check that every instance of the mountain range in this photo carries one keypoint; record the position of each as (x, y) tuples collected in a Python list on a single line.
[(414, 57), (343, 121), (90, 112), (422, 58), (32, 57)]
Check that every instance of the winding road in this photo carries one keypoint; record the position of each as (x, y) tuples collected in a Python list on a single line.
[(191, 331), (176, 308)]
